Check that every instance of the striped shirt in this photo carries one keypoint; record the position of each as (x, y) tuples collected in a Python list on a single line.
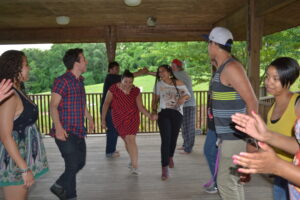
[(226, 101)]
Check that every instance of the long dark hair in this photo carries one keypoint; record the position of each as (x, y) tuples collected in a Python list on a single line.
[(173, 78)]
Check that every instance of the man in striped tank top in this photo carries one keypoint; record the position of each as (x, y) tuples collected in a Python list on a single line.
[(231, 93)]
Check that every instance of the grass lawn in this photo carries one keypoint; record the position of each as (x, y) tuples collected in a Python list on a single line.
[(146, 83)]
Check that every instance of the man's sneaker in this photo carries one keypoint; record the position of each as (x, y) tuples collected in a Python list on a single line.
[(134, 171), (211, 190), (113, 155), (184, 152), (180, 148), (58, 191)]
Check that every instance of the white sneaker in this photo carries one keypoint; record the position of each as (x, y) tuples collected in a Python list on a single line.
[(130, 166), (135, 172)]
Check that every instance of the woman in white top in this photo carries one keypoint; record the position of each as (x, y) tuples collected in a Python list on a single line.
[(171, 94)]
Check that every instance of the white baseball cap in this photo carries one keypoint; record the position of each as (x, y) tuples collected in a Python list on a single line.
[(220, 35)]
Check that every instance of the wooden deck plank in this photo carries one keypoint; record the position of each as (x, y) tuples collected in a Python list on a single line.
[(104, 178)]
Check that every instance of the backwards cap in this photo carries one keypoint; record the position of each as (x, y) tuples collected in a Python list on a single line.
[(220, 35), (177, 62)]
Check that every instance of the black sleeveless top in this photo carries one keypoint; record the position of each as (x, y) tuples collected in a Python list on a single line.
[(27, 117)]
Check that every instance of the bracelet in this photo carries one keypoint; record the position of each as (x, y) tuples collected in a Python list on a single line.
[(24, 171)]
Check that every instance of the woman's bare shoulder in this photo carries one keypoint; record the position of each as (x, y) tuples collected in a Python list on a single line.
[(10, 104), (179, 82)]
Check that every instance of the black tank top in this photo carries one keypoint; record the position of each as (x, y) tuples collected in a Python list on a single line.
[(27, 117)]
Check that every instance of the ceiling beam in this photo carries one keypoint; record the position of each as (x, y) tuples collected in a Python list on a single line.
[(51, 35), (267, 6), (99, 34), (237, 21)]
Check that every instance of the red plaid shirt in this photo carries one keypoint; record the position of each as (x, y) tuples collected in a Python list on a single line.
[(72, 106)]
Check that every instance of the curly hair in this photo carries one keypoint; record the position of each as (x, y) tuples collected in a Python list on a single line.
[(11, 65)]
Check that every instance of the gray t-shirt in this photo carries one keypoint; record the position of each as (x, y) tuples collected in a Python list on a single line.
[(183, 76)]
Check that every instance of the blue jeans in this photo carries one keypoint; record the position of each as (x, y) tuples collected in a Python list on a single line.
[(111, 135), (280, 189), (211, 150), (73, 151)]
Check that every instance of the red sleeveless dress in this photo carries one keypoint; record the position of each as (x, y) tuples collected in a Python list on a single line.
[(125, 112)]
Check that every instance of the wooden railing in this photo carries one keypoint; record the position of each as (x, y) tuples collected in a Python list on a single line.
[(265, 104), (93, 104)]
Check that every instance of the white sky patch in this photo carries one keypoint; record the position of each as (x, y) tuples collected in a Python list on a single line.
[(4, 48)]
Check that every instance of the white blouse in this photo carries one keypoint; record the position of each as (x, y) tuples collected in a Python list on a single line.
[(168, 95)]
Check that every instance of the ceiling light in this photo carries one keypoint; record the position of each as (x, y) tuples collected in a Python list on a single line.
[(62, 20), (132, 2)]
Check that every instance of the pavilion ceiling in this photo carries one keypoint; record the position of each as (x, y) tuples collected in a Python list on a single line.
[(33, 21)]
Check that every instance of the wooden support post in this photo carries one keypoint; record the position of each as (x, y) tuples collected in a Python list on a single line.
[(254, 39), (111, 44)]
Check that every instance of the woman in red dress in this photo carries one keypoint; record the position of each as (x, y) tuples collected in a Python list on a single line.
[(125, 101)]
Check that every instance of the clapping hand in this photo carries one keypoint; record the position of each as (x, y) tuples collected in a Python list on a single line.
[(263, 161), (5, 89), (253, 126)]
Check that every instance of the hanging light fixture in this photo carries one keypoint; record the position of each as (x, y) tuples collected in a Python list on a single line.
[(62, 20), (132, 2)]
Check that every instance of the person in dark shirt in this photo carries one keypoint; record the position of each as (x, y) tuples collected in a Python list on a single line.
[(111, 133)]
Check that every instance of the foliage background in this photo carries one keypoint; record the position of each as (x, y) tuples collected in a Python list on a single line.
[(46, 65)]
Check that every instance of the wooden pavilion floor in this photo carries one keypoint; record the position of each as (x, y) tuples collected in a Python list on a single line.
[(104, 178)]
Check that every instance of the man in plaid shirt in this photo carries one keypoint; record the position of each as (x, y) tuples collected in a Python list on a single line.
[(68, 109)]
